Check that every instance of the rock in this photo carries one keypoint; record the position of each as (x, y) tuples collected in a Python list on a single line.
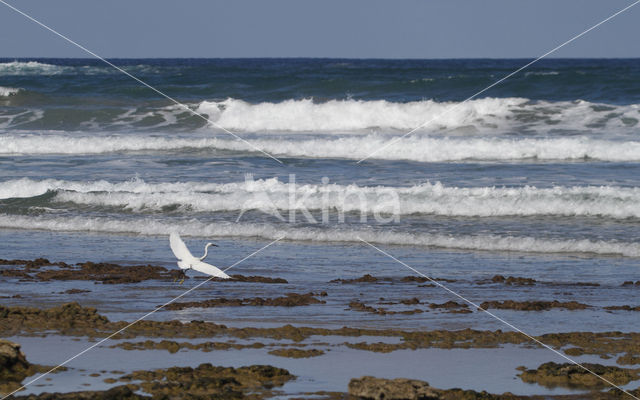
[(123, 392), (533, 305), (256, 279), (296, 353), (75, 291), (289, 300), (360, 306), (209, 382), (448, 305), (363, 279), (513, 280), (570, 375), (623, 308), (13, 363), (368, 387)]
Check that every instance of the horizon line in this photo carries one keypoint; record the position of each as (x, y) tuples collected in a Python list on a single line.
[(313, 58)]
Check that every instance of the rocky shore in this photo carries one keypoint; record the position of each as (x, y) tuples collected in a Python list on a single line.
[(14, 367), (74, 320), (299, 343)]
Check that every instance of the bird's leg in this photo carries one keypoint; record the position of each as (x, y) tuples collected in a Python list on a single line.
[(182, 278)]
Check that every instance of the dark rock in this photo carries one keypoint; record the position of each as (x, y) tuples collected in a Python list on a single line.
[(107, 273), (570, 375), (255, 279), (13, 363), (513, 280), (123, 392), (75, 291), (423, 279), (296, 353), (452, 307), (623, 308), (368, 387), (207, 381), (290, 300), (533, 305), (363, 279), (173, 346), (359, 306)]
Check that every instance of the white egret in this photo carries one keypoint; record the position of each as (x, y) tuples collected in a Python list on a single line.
[(188, 261)]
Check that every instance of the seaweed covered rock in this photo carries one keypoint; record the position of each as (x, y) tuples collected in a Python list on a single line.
[(570, 375), (289, 300), (173, 347), (363, 279), (207, 381), (296, 353), (254, 279), (107, 273), (123, 392), (13, 363), (513, 280), (536, 305), (369, 387), (67, 319)]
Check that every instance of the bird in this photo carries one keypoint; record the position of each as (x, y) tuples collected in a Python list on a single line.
[(188, 261)]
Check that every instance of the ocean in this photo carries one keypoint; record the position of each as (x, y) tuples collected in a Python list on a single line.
[(538, 177), (546, 162)]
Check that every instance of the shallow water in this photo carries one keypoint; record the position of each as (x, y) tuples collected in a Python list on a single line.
[(329, 372)]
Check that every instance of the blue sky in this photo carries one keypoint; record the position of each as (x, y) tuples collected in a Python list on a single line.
[(327, 28)]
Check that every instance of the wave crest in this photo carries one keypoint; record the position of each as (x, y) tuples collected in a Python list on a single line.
[(16, 68), (413, 148), (271, 232), (8, 91), (487, 114), (271, 194)]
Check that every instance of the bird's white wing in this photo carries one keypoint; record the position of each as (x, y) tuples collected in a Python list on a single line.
[(209, 270), (178, 247)]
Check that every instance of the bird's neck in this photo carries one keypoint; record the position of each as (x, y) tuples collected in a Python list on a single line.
[(206, 250)]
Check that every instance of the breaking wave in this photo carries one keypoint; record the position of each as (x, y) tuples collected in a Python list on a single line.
[(8, 91), (415, 148), (488, 114), (271, 194), (31, 68), (332, 235)]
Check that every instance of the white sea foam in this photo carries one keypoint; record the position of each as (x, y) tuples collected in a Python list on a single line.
[(31, 68), (427, 149), (415, 148), (348, 115), (8, 91), (78, 144), (488, 117), (271, 232), (267, 195), (541, 73), (19, 68), (488, 114)]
